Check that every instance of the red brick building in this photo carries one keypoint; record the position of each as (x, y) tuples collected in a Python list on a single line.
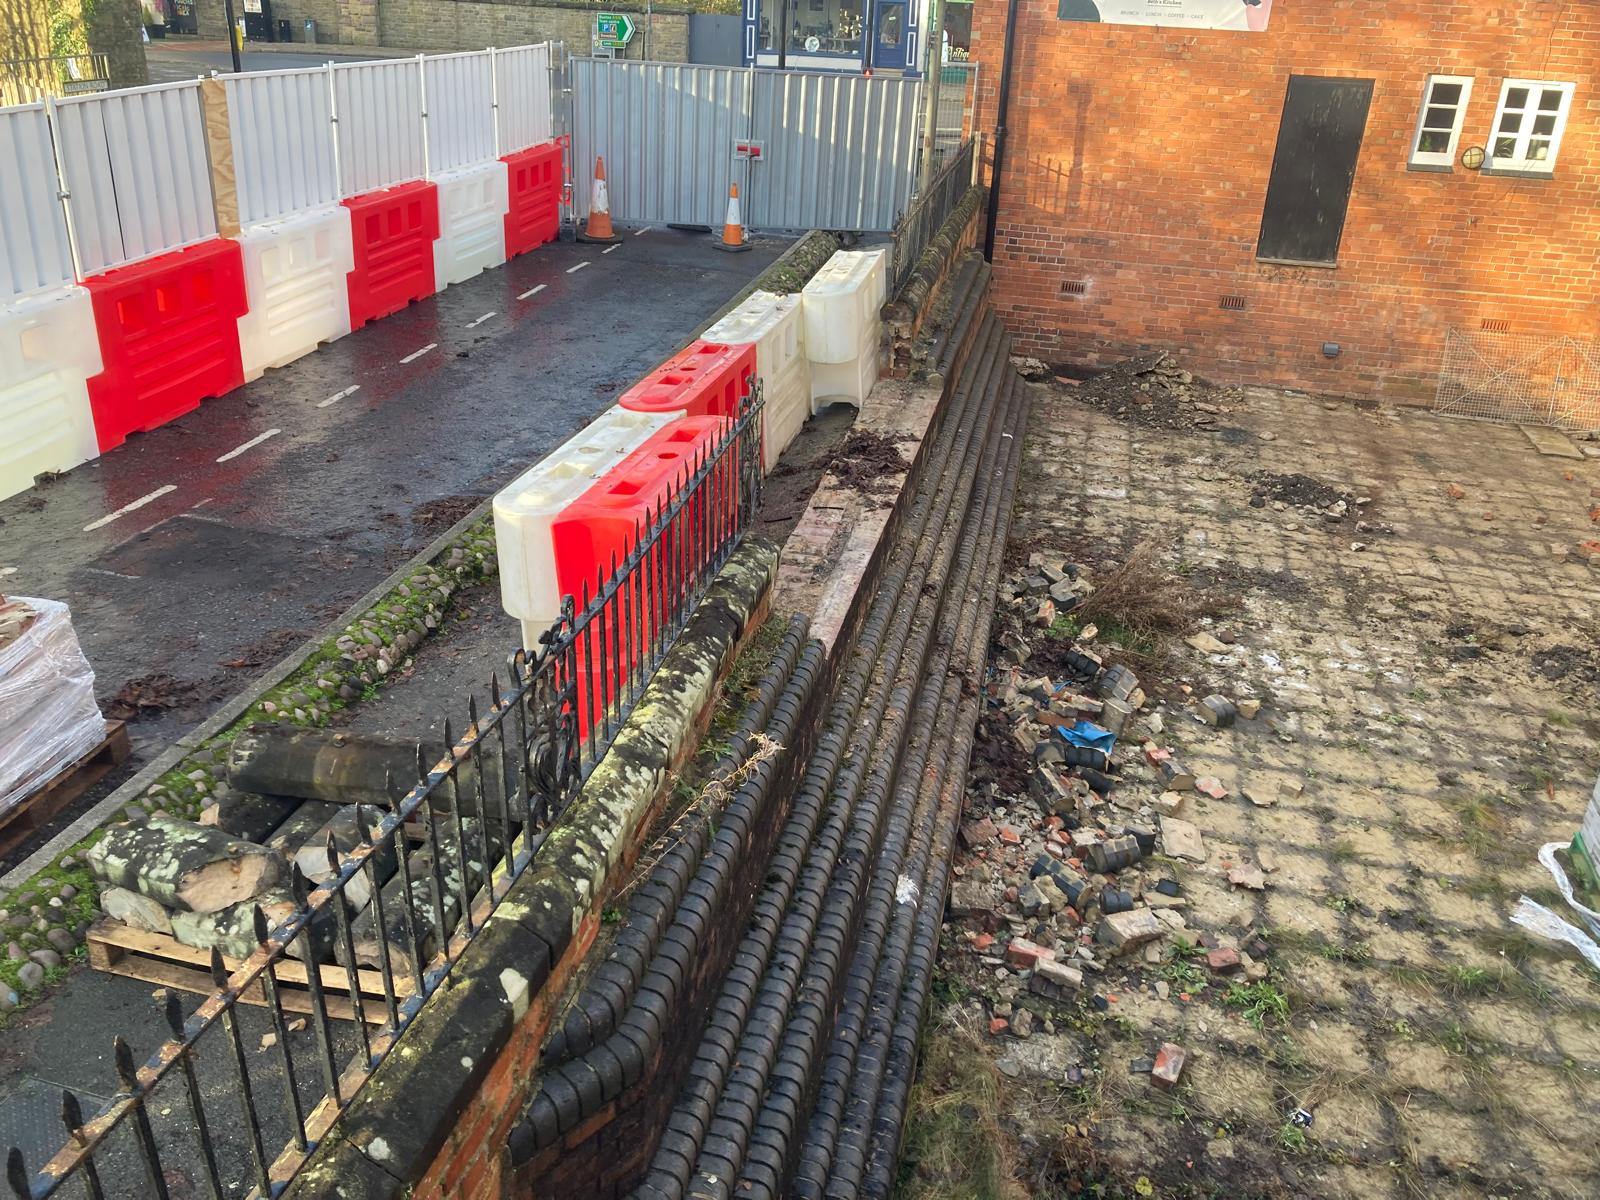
[(1149, 202)]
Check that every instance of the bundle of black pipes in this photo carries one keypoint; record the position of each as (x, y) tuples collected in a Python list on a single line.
[(800, 1081)]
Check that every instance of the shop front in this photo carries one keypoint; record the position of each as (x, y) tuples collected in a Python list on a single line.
[(836, 35)]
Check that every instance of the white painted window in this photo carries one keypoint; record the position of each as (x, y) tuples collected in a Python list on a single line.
[(1444, 111), (1528, 124)]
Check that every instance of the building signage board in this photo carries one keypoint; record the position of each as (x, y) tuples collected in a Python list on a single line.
[(1243, 15)]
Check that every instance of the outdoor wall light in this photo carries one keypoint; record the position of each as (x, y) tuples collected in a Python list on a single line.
[(1472, 157), (1331, 349)]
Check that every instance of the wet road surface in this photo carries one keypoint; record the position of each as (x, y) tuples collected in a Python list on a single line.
[(207, 549)]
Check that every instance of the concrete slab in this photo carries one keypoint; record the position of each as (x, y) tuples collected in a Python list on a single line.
[(833, 544)]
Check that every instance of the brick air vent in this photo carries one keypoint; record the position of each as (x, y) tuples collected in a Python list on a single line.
[(1074, 287), (1231, 303), (1496, 325)]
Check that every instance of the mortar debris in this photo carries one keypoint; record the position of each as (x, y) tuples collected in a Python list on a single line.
[(1154, 391)]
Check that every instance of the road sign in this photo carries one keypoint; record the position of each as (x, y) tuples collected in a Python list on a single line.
[(613, 30)]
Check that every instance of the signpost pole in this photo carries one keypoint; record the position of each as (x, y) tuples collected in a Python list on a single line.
[(233, 36), (783, 35)]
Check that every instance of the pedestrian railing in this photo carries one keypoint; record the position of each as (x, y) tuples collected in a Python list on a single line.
[(409, 899), (927, 213)]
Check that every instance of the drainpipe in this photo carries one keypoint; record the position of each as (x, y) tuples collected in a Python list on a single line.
[(1000, 129)]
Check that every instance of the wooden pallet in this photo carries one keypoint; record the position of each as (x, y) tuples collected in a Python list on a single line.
[(160, 959), (25, 818)]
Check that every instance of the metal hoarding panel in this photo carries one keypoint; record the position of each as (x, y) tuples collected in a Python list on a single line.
[(379, 111), (34, 250), (281, 124)]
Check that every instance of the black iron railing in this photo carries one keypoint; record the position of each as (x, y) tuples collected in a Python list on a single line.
[(369, 944), (928, 212)]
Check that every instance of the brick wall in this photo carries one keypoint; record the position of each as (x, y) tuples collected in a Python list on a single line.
[(1138, 162)]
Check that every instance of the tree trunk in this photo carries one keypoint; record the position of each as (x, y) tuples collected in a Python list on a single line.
[(135, 911), (351, 768), (185, 866), (249, 815)]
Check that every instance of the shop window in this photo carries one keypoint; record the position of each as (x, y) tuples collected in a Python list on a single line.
[(830, 27)]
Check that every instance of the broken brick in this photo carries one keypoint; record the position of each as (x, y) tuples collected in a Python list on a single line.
[(1168, 1067), (1025, 955), (1210, 785), (1223, 960)]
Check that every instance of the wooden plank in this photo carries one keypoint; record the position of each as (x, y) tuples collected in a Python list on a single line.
[(25, 818), (156, 958)]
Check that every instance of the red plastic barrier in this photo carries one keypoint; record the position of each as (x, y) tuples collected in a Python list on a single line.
[(706, 380), (597, 531), (169, 337), (394, 231), (533, 216)]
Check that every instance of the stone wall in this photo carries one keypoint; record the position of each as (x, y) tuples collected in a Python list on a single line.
[(445, 26)]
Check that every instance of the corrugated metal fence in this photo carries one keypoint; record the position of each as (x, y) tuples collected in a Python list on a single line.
[(836, 151), (135, 167), (34, 250), (136, 171)]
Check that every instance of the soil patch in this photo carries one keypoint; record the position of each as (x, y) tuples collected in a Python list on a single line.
[(1301, 491), (438, 515), (158, 692), (865, 458)]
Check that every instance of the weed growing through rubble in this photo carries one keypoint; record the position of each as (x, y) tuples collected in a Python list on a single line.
[(1184, 976), (1343, 851), (1258, 1001), (1292, 1138), (1559, 719), (1340, 904)]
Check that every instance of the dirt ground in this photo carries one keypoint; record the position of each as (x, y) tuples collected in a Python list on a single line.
[(1404, 596)]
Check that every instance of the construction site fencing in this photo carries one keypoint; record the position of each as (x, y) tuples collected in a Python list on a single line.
[(135, 173), (928, 214), (35, 252), (408, 901), (807, 150), (133, 167)]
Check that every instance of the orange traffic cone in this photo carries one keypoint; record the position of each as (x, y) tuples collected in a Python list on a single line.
[(733, 227), (598, 228)]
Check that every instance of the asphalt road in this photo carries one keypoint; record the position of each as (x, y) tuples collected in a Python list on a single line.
[(173, 61), (198, 554)]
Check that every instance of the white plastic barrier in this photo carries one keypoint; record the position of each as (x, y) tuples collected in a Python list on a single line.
[(48, 351), (773, 323), (294, 278), (48, 715), (472, 225), (841, 304), (525, 508)]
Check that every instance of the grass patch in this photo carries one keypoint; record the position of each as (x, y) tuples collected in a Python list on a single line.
[(1561, 720), (1259, 1002), (955, 1145), (1140, 604), (1343, 851)]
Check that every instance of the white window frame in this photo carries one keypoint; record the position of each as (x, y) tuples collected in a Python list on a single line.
[(1518, 162), (1440, 160)]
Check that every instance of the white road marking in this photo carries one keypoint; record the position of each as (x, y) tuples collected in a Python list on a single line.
[(533, 291), (251, 444), (416, 354), (9, 570), (113, 574), (479, 321), (579, 267), (642, 232), (338, 396), (194, 516), (609, 249), (128, 508)]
